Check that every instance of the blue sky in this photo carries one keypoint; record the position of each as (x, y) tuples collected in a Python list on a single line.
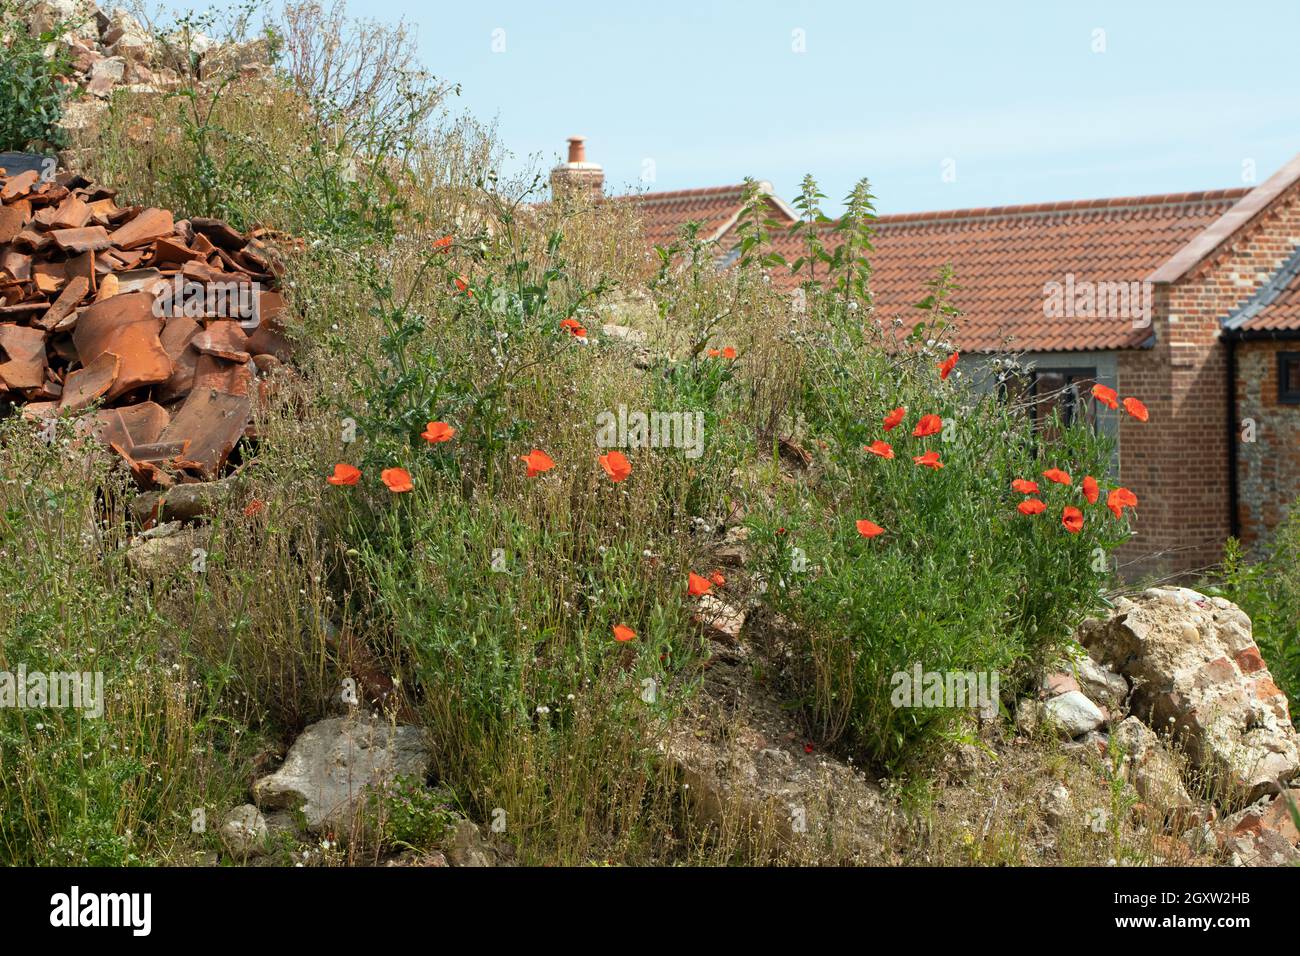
[(1015, 95)]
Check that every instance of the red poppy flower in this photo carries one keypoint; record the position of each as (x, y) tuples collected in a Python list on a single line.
[(1090, 490), (437, 432), (1136, 409), (869, 529), (398, 480), (1021, 486), (537, 462), (1058, 476), (696, 585), (807, 748), (253, 507), (443, 244), (728, 352), (462, 284), (718, 578), (1106, 395), (928, 425), (929, 460), (947, 365), (344, 475), (1031, 506), (1119, 499), (623, 633), (574, 327), (895, 418), (1072, 518), (883, 449), (616, 466)]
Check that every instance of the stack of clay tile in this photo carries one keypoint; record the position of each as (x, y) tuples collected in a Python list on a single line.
[(79, 328)]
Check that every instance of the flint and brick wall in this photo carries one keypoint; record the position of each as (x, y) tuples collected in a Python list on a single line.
[(1268, 469)]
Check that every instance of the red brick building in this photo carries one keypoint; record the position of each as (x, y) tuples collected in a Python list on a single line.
[(1190, 302)]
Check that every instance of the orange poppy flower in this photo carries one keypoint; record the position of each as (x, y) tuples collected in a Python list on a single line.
[(869, 529), (344, 475), (1090, 490), (883, 449), (398, 480), (928, 425), (436, 432), (696, 585), (1119, 499), (1072, 518), (895, 418), (1106, 395), (616, 466), (718, 578), (253, 507), (574, 327), (462, 285), (443, 244), (1136, 409), (929, 460), (1058, 476), (714, 353), (1021, 486), (537, 462), (1031, 506), (729, 353), (623, 633), (947, 365)]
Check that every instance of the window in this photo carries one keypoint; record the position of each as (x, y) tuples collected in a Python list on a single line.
[(1066, 391), (1288, 378)]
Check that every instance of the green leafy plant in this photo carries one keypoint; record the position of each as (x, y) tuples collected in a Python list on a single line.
[(1266, 585), (31, 94)]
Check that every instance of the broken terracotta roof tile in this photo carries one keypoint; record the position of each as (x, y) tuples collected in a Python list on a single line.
[(13, 218), (149, 225), (19, 186), (214, 422), (63, 306), (86, 385), (232, 378), (126, 325), (87, 239), (24, 350), (219, 233), (72, 213), (223, 339)]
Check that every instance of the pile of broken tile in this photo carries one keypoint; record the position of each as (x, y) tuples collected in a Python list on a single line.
[(89, 318)]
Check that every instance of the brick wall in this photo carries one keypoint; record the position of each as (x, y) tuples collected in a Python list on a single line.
[(1268, 469), (1179, 462)]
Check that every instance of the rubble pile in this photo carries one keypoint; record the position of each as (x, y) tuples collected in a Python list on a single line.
[(109, 51), (168, 327)]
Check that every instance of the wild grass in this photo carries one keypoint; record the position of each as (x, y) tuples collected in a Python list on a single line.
[(482, 602)]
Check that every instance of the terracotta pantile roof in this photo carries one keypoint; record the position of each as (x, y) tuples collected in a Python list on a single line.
[(1004, 257), (1274, 308), (664, 214)]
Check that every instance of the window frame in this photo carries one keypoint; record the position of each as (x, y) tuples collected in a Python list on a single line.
[(1072, 374), (1288, 392)]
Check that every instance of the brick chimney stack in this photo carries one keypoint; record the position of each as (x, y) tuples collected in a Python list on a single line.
[(578, 175)]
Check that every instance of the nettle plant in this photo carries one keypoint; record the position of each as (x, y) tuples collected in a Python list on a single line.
[(939, 526)]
